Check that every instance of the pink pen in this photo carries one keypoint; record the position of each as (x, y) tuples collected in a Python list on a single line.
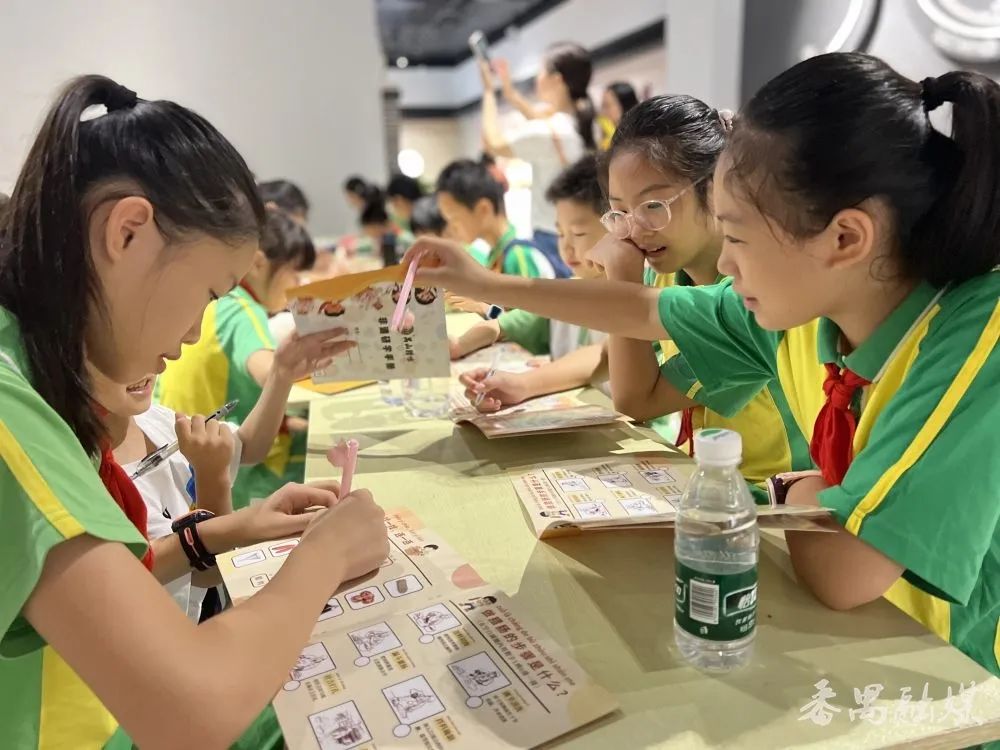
[(404, 293), (344, 455)]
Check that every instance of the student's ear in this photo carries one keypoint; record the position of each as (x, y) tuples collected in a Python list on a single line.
[(849, 238), (130, 225), (484, 209), (260, 267)]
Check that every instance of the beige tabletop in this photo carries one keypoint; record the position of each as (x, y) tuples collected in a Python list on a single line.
[(608, 598)]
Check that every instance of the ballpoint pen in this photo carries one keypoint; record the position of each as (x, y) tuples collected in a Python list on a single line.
[(490, 373), (162, 453)]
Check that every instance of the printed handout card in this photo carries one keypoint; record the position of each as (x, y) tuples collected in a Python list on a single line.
[(558, 412), (364, 303), (624, 491), (421, 653)]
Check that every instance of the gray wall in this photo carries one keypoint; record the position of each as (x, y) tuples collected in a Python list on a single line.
[(295, 86), (778, 32)]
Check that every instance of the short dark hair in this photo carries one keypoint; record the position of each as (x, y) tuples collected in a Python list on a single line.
[(374, 212), (468, 182), (839, 128), (578, 183), (285, 242), (625, 95), (286, 195), (404, 187), (427, 218)]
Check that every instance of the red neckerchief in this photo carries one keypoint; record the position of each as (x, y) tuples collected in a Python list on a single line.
[(832, 445), (123, 492), (686, 434)]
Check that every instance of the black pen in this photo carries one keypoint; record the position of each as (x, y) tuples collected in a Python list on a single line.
[(161, 454)]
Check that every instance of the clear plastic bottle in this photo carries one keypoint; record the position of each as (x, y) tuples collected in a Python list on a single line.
[(715, 551)]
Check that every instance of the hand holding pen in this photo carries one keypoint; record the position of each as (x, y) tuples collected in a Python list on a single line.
[(161, 454)]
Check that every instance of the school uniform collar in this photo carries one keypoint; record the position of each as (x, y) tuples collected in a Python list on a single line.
[(870, 358), (681, 278), (243, 290), (509, 235)]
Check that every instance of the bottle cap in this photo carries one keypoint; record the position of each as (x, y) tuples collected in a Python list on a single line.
[(714, 446)]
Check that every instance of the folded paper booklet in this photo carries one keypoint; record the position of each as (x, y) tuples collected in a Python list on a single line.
[(640, 490), (422, 653), (363, 303), (558, 412)]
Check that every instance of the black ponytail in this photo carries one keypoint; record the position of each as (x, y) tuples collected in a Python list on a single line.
[(678, 135), (194, 178), (572, 62), (840, 128)]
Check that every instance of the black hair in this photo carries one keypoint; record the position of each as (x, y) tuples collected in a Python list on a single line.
[(578, 182), (427, 218), (468, 182), (404, 187), (841, 128), (625, 95), (572, 62), (677, 134), (285, 195), (286, 242), (360, 187), (374, 212), (193, 176)]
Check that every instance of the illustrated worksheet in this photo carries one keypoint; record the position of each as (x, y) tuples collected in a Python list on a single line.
[(364, 303), (626, 491), (421, 654)]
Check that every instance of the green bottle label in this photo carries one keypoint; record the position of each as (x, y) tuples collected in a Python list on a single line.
[(715, 607)]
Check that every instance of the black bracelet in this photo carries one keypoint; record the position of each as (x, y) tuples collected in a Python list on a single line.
[(195, 550)]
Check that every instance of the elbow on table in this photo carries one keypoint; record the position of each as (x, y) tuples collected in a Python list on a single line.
[(635, 406), (218, 728)]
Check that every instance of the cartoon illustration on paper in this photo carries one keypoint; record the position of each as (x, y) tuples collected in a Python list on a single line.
[(657, 475), (479, 674), (434, 619), (413, 700), (403, 586), (313, 660), (592, 510), (480, 601), (374, 639), (340, 727), (370, 299), (365, 598), (638, 507), (615, 480), (330, 610)]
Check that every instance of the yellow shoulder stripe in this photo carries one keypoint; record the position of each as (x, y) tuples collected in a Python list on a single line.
[(34, 485), (265, 337), (970, 368)]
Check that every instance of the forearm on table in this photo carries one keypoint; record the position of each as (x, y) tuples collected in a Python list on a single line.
[(262, 425), (479, 336), (617, 307), (579, 368)]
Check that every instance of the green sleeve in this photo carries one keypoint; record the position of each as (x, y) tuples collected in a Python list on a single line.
[(726, 358), (51, 492), (923, 491), (242, 330), (521, 260), (527, 329)]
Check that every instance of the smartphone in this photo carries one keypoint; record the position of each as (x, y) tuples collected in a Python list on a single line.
[(479, 47)]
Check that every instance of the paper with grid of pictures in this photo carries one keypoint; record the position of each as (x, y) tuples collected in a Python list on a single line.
[(459, 669), (364, 304), (639, 490)]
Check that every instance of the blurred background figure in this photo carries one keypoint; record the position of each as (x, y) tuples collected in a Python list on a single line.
[(286, 196), (618, 98)]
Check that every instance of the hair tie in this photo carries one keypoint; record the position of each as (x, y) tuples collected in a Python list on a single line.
[(119, 97), (725, 118), (931, 94)]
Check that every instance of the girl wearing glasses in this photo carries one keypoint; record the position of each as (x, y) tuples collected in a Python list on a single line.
[(863, 246), (657, 175)]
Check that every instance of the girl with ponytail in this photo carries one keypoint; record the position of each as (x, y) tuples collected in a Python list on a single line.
[(128, 217), (558, 131), (862, 247)]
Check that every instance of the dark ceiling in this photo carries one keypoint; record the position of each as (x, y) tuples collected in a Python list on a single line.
[(436, 32)]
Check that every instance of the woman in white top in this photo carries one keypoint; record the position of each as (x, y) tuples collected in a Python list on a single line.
[(558, 130)]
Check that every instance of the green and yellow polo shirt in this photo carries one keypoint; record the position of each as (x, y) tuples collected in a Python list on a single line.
[(924, 486), (768, 447), (51, 492), (214, 371), (521, 259)]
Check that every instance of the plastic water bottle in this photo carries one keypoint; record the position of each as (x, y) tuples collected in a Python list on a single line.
[(715, 551)]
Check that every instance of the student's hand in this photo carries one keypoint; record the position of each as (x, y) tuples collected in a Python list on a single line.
[(486, 74), (464, 304), (502, 69), (297, 356), (207, 445), (352, 531), (285, 513), (448, 265), (619, 259), (502, 389)]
